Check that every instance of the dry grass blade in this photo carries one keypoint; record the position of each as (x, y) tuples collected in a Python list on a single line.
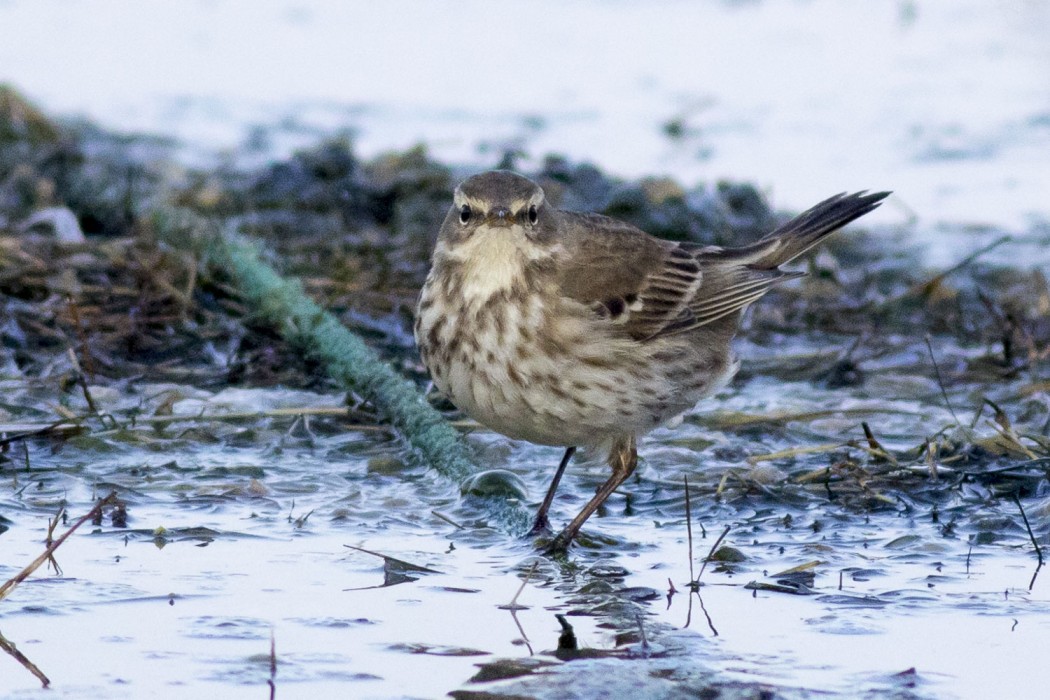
[(726, 420), (398, 564), (799, 569), (710, 554), (1011, 441), (1028, 526), (875, 447), (513, 604), (25, 431), (50, 550), (795, 451), (688, 527), (28, 665), (75, 423), (940, 380), (923, 289)]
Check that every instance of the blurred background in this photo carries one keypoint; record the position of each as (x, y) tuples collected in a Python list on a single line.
[(947, 103)]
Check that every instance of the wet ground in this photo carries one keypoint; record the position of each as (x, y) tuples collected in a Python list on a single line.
[(237, 531), (893, 560), (886, 496)]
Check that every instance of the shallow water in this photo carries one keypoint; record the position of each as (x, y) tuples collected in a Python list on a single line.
[(256, 516)]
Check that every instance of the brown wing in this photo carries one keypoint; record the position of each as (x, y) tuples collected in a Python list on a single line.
[(650, 287), (641, 284), (727, 288)]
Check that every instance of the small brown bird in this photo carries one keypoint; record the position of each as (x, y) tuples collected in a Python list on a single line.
[(573, 329)]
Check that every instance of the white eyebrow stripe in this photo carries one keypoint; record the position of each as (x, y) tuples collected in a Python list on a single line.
[(516, 206)]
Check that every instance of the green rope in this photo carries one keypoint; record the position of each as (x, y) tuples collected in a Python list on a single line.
[(283, 304)]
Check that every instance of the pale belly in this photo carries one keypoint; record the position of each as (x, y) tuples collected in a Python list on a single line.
[(564, 382)]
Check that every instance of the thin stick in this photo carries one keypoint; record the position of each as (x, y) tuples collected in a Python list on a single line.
[(26, 663), (1035, 575), (51, 525), (34, 431), (272, 682), (641, 631), (712, 552), (450, 521), (1038, 550), (703, 609), (940, 381), (29, 430), (81, 381), (924, 287), (795, 451), (524, 637), (969, 259), (24, 573), (688, 526), (513, 604)]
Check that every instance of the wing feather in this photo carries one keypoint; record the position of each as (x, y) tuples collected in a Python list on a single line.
[(643, 285), (647, 287)]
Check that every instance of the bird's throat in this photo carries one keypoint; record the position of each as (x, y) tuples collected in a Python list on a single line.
[(493, 260)]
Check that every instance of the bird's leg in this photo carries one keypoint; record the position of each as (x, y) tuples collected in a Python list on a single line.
[(542, 523), (623, 459)]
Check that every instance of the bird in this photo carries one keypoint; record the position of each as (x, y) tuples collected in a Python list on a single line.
[(578, 330)]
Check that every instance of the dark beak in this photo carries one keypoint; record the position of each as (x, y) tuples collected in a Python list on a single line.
[(500, 216)]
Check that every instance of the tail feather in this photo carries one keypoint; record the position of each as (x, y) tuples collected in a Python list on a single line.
[(806, 230), (733, 278)]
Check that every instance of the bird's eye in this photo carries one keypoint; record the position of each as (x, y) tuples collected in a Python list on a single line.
[(464, 214), (534, 214)]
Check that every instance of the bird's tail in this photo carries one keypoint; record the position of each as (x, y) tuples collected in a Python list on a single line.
[(801, 233), (806, 230), (733, 278)]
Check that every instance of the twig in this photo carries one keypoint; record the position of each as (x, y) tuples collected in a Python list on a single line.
[(82, 382), (273, 666), (26, 663), (971, 257), (641, 631), (450, 521), (795, 451), (875, 447), (524, 637), (513, 604), (64, 424), (712, 552), (925, 287), (940, 381), (1038, 550), (35, 564), (688, 527), (703, 609), (51, 525)]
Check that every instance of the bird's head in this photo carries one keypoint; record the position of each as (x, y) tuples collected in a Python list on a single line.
[(498, 203)]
